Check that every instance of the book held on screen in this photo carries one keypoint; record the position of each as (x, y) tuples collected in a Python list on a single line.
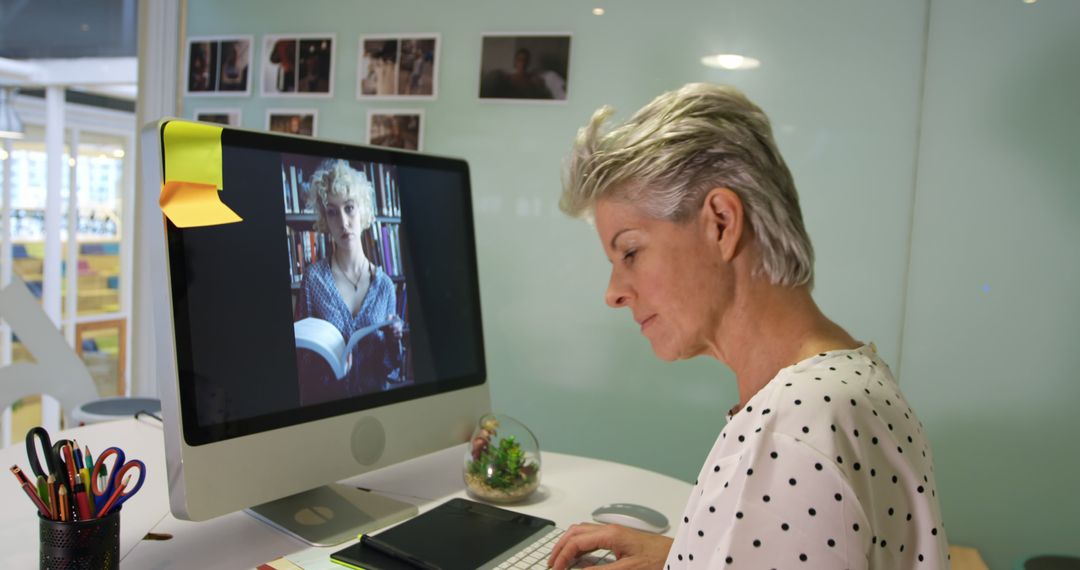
[(325, 339)]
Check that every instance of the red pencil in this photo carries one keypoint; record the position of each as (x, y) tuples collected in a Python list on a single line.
[(116, 495), (70, 456), (30, 491), (82, 504)]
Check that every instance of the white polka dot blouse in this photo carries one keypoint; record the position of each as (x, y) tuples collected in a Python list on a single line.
[(826, 467)]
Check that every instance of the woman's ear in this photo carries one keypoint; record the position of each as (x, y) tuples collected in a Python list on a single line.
[(722, 213)]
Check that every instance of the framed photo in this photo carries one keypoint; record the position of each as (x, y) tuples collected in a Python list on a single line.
[(533, 67), (106, 370), (396, 128), (230, 117), (296, 65), (219, 66), (292, 121), (401, 66)]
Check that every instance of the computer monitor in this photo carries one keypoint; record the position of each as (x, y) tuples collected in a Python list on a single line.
[(260, 411)]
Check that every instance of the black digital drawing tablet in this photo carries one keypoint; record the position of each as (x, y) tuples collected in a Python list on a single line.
[(457, 535)]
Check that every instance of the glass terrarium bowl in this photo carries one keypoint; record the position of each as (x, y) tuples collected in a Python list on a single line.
[(502, 460)]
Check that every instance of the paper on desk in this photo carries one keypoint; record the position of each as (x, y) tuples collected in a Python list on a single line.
[(279, 564), (189, 197), (315, 558)]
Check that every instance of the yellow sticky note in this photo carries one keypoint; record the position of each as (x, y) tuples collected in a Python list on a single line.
[(190, 204), (192, 153), (189, 196)]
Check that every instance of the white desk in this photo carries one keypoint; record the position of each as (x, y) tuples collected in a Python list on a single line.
[(571, 487)]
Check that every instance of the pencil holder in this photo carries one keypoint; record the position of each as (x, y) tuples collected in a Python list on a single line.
[(92, 544)]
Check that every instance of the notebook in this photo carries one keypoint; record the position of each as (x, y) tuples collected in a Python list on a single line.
[(465, 535)]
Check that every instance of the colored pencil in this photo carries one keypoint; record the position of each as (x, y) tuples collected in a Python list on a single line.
[(65, 508), (116, 495), (54, 501), (30, 491)]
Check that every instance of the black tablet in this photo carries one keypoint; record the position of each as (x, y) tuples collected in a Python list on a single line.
[(457, 535)]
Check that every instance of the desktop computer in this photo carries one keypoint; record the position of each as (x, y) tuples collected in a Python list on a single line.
[(333, 330)]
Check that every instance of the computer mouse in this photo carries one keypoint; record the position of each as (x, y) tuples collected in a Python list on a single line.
[(632, 516)]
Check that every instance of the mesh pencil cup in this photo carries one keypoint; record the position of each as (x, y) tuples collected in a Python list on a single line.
[(80, 545)]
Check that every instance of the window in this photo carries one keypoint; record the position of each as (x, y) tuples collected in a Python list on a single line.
[(95, 265)]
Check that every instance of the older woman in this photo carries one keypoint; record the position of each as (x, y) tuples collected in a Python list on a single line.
[(346, 289), (822, 462)]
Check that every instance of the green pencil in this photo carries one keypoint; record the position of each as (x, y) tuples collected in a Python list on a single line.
[(43, 490)]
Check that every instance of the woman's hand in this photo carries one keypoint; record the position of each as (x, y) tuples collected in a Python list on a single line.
[(633, 549), (397, 327)]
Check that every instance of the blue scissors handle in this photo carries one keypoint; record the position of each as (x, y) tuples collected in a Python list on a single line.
[(121, 492), (101, 495)]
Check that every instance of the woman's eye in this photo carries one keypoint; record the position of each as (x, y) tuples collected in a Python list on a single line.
[(349, 208), (629, 256)]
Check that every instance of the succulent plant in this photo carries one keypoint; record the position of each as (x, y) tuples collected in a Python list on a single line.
[(502, 466)]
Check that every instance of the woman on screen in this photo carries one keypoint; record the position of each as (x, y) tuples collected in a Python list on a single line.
[(347, 290), (822, 463)]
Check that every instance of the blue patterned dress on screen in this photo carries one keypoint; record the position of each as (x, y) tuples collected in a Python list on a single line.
[(376, 358)]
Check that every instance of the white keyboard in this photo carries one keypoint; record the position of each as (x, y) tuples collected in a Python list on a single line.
[(535, 555)]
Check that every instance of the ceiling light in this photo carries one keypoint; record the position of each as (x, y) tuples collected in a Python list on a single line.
[(1030, 1), (598, 11), (730, 61), (11, 127), (118, 153), (3, 154), (71, 162)]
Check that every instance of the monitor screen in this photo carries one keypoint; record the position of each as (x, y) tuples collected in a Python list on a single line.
[(337, 324), (349, 284)]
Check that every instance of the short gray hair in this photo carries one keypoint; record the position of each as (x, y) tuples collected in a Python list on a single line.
[(672, 152), (335, 177)]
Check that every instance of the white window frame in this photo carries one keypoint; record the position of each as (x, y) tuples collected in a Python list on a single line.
[(80, 119)]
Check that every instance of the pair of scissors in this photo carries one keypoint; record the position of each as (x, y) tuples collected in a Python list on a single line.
[(116, 492), (39, 436), (54, 462)]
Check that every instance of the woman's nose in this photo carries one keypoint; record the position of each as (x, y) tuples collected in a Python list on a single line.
[(617, 293)]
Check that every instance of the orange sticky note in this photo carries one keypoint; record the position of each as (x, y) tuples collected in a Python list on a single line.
[(191, 205)]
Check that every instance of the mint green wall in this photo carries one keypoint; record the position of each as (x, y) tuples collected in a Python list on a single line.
[(843, 83), (993, 314)]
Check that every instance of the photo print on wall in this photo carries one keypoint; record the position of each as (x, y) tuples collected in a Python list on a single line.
[(401, 66), (525, 67), (219, 66), (396, 128), (296, 65), (229, 117), (292, 121)]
